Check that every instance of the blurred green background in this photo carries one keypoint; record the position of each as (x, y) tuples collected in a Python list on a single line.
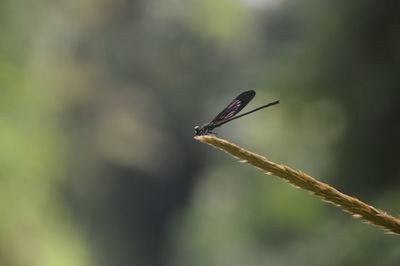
[(98, 103)]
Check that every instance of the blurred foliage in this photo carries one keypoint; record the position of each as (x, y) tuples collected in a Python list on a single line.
[(98, 102)]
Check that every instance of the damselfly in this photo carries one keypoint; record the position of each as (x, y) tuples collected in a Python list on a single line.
[(228, 114)]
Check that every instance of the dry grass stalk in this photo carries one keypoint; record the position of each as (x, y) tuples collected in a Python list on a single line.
[(298, 179)]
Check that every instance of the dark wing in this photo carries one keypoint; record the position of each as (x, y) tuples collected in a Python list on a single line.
[(235, 106)]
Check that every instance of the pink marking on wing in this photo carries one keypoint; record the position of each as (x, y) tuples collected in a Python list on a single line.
[(232, 110)]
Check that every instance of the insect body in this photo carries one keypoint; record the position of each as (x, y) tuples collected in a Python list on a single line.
[(228, 114)]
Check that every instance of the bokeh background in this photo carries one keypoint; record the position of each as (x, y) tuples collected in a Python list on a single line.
[(98, 100)]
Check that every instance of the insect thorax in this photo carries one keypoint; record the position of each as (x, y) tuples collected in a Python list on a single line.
[(204, 129)]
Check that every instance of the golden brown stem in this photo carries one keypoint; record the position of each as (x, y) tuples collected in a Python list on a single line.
[(301, 180)]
